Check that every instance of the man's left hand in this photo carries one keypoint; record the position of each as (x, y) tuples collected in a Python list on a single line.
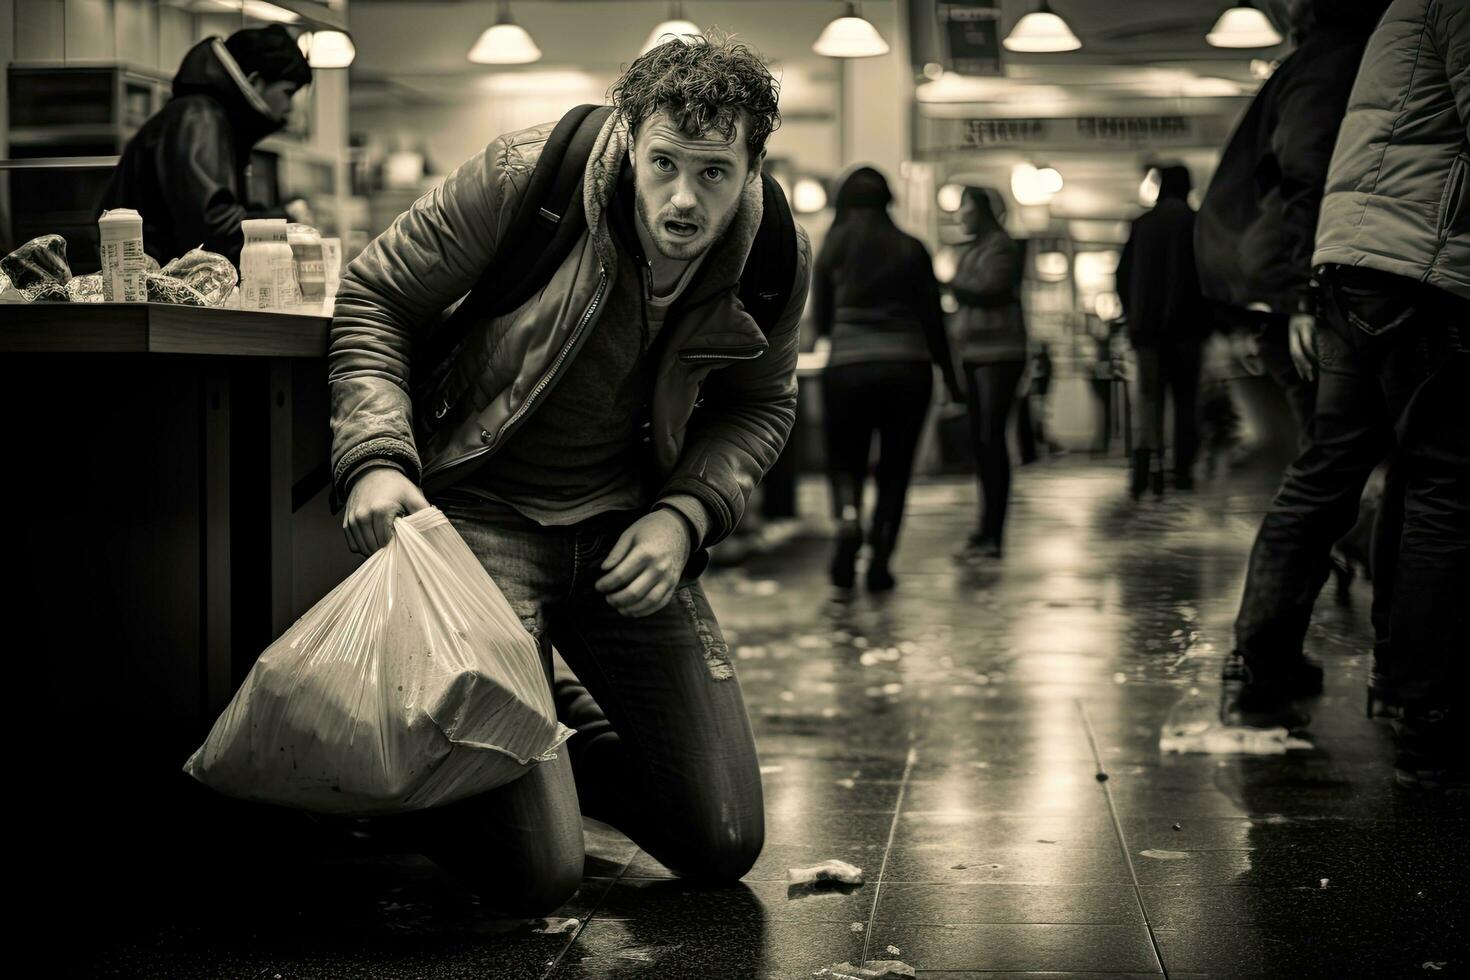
[(643, 568)]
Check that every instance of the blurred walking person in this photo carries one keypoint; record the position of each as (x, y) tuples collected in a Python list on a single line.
[(1393, 245), (1167, 323), (1258, 220), (992, 335), (876, 302)]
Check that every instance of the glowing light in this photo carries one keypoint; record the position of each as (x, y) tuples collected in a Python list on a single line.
[(1095, 270), (850, 37), (1148, 189), (676, 25), (1051, 266), (1243, 27), (327, 49), (1031, 187), (945, 264), (949, 197), (1041, 31), (505, 43), (809, 196)]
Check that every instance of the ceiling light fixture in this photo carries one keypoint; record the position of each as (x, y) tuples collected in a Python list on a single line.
[(505, 43), (676, 24), (1243, 26), (1041, 31), (327, 49), (850, 36)]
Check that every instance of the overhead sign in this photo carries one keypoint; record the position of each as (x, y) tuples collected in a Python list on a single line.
[(972, 36), (1074, 132)]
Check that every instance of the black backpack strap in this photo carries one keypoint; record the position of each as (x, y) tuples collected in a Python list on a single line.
[(547, 223), (770, 271)]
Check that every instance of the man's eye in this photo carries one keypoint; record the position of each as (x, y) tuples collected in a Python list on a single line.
[(713, 173), (664, 164)]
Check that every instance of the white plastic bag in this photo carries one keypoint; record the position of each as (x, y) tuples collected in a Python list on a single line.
[(411, 685)]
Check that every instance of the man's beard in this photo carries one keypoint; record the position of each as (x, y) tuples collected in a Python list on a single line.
[(685, 250)]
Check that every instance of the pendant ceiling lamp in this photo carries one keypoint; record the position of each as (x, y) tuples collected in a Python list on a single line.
[(1041, 31), (676, 24), (1243, 27), (505, 43), (327, 49), (850, 36)]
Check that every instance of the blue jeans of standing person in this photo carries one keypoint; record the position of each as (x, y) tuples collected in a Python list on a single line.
[(1394, 373), (663, 751)]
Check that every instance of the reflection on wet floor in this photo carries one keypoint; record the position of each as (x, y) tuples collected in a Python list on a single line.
[(985, 745)]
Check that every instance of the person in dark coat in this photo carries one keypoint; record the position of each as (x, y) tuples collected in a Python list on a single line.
[(1258, 219), (186, 171), (992, 335), (1167, 323), (1393, 260), (875, 298)]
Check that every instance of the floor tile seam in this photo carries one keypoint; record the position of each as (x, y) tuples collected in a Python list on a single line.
[(591, 915), (1122, 838), (908, 768)]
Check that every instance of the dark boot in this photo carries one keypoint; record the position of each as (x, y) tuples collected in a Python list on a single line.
[(883, 539), (844, 556), (1254, 701), (1431, 750), (1138, 475)]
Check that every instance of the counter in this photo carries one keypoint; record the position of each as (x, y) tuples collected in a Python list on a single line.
[(169, 468)]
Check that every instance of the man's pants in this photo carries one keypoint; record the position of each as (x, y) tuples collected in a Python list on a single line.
[(1393, 372), (665, 755), (1175, 367), (1274, 347)]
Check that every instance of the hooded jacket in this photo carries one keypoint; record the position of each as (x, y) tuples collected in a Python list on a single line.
[(712, 353), (1157, 280), (874, 291), (186, 169), (1258, 220), (1398, 191)]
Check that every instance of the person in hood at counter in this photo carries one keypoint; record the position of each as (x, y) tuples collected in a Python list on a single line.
[(186, 171), (577, 467)]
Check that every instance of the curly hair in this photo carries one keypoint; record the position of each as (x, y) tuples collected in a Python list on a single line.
[(703, 84)]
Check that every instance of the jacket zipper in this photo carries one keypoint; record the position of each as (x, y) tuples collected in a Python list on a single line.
[(540, 385), (719, 354)]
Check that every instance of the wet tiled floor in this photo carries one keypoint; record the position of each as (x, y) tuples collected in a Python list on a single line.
[(951, 739)]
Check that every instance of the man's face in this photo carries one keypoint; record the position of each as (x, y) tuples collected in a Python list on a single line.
[(277, 95), (688, 188)]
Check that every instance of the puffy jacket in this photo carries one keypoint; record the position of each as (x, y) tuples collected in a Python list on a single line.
[(1398, 191), (715, 356), (1258, 220), (185, 170), (987, 285)]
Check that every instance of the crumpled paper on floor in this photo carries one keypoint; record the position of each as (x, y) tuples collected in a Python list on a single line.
[(1229, 740), (838, 872), (871, 970)]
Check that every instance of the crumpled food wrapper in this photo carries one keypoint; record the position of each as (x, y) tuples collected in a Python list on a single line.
[(46, 292), (871, 970), (209, 275), (167, 289), (38, 262), (85, 289), (835, 871)]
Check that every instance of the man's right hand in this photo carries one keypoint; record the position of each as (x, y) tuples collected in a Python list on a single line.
[(379, 496)]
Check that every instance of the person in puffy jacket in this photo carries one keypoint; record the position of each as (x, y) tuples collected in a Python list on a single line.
[(576, 466), (1167, 324), (1393, 350), (1258, 219), (992, 339), (875, 299), (187, 169)]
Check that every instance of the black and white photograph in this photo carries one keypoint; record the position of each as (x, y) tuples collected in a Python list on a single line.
[(737, 489)]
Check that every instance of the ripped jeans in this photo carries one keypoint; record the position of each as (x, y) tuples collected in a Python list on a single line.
[(663, 750)]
